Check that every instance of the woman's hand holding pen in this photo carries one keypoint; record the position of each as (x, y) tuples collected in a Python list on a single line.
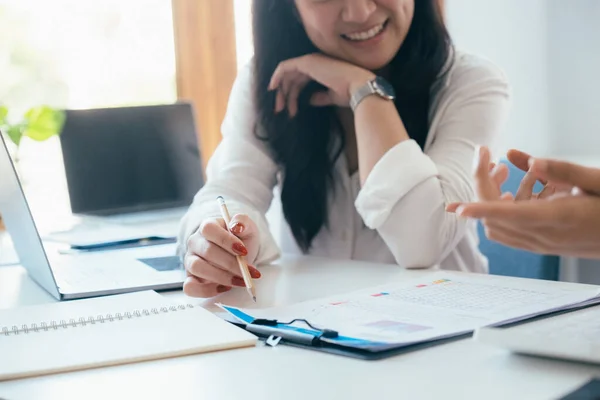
[(210, 260)]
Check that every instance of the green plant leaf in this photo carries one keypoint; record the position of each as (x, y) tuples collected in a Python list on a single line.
[(3, 114), (43, 122), (15, 133)]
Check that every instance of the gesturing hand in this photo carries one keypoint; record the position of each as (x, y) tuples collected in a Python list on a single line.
[(489, 178), (564, 223), (339, 77)]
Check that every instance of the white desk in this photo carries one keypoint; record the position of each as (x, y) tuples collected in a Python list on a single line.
[(462, 369)]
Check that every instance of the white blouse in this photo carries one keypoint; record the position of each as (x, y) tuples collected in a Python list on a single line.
[(398, 215)]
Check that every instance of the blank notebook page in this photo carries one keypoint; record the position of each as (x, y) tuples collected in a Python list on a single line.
[(105, 331)]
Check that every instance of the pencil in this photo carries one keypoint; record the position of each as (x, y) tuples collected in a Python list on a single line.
[(241, 261)]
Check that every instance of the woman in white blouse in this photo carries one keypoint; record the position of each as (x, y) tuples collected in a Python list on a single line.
[(364, 118)]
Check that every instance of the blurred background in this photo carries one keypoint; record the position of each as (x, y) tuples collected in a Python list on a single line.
[(106, 53)]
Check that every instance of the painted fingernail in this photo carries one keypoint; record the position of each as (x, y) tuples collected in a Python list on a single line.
[(223, 288), (240, 249), (238, 228), (237, 281), (254, 273)]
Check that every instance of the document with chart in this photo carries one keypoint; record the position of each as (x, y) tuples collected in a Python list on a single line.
[(439, 305)]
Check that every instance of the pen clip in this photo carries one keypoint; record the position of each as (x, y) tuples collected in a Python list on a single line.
[(266, 322), (326, 333)]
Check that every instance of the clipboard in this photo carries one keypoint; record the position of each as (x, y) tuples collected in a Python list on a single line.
[(274, 333)]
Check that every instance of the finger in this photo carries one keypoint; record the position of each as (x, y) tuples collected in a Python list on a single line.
[(284, 87), (452, 207), (219, 258), (285, 68), (492, 166), (288, 83), (519, 159), (526, 212), (218, 234), (525, 191), (294, 93), (209, 273), (243, 227), (485, 186), (514, 238), (587, 179), (279, 101), (194, 288), (321, 99), (499, 175), (292, 100), (278, 75), (548, 191)]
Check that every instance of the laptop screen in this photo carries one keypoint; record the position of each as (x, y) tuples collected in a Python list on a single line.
[(130, 159)]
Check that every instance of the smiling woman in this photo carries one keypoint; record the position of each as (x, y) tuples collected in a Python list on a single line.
[(365, 119)]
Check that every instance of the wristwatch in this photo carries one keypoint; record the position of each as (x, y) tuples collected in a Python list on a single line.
[(377, 86)]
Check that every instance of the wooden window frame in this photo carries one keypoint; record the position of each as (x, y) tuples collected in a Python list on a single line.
[(206, 59)]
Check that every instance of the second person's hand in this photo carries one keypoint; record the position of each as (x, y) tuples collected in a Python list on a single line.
[(210, 260)]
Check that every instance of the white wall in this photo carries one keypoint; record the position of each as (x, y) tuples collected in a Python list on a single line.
[(513, 34), (574, 65), (550, 50)]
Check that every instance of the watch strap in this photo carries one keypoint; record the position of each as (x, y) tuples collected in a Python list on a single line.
[(361, 93)]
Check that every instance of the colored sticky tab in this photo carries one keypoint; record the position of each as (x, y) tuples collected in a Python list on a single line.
[(239, 314), (380, 294)]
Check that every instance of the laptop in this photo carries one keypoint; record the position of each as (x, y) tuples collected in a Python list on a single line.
[(79, 275), (573, 336), (132, 164)]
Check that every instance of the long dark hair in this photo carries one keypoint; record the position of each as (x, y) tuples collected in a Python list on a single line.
[(306, 147)]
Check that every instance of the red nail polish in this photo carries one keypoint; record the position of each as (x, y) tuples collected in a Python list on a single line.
[(240, 249), (238, 228), (223, 288), (237, 281), (254, 272)]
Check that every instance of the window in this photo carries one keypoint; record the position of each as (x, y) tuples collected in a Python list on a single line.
[(243, 31), (104, 53), (80, 54)]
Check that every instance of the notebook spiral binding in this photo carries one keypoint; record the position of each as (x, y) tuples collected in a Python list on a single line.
[(83, 321)]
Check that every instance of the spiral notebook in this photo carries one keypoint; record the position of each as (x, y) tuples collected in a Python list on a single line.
[(105, 331)]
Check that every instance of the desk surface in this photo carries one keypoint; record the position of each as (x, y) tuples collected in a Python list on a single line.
[(462, 369)]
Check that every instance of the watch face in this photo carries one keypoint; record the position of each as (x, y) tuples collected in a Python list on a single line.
[(385, 88)]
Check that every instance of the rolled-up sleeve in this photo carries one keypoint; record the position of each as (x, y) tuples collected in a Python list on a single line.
[(405, 196)]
